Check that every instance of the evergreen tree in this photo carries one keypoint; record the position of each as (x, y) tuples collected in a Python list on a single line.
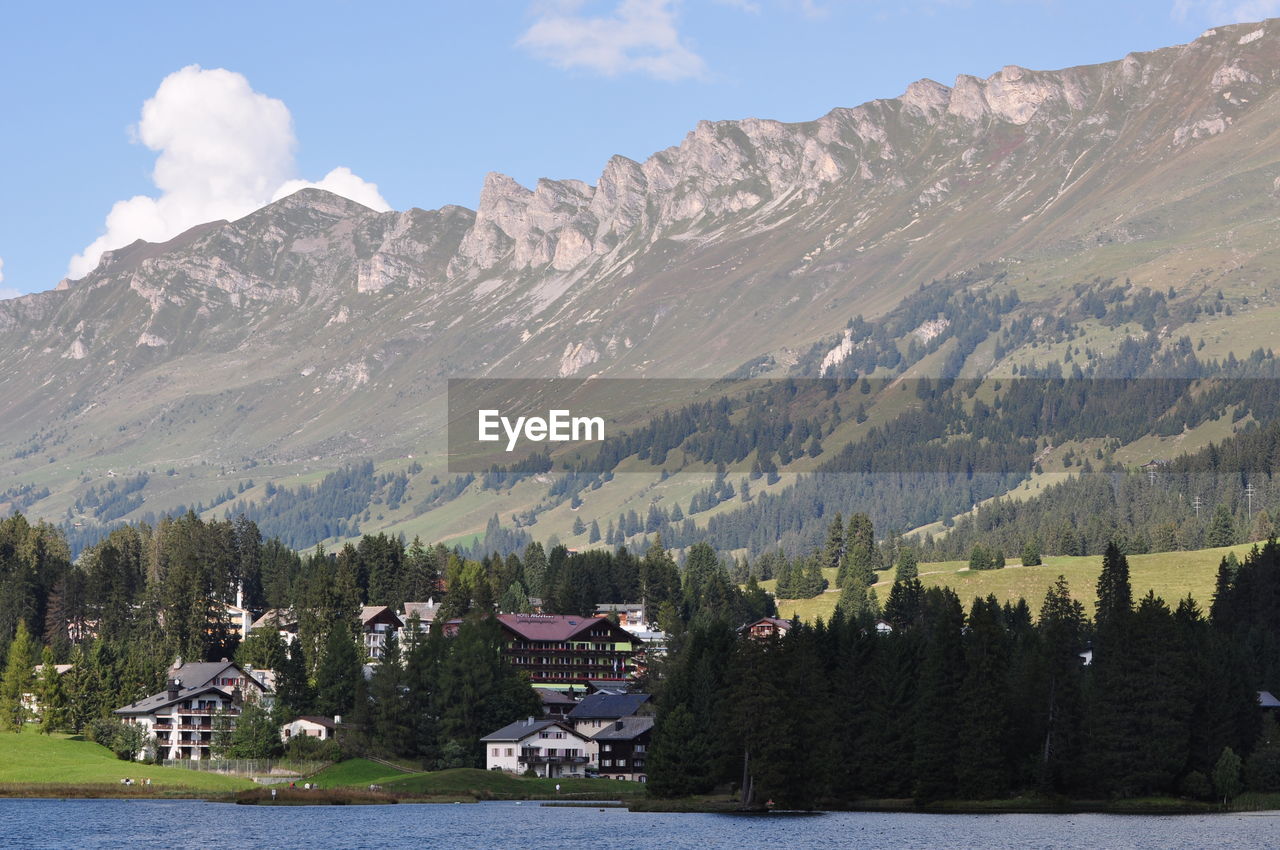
[(52, 696), (983, 767), (1031, 553), (339, 676), (18, 679), (937, 716), (908, 564), (1222, 528)]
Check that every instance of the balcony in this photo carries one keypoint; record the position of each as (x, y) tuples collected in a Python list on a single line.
[(533, 757)]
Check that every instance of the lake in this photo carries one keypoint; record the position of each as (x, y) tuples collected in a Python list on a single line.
[(187, 823)]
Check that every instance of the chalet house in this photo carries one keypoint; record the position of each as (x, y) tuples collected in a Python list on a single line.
[(602, 710), (765, 628), (566, 651), (322, 728), (622, 748), (630, 615), (283, 620), (178, 722), (549, 747), (556, 704), (376, 622), (426, 615)]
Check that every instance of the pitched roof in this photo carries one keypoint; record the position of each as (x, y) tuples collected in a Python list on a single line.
[(155, 702), (326, 722), (1267, 700), (522, 729), (380, 614), (557, 627), (196, 673), (426, 611), (550, 696), (608, 706), (777, 622), (280, 618), (631, 728)]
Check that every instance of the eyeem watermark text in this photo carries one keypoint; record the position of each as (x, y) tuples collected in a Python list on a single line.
[(558, 426)]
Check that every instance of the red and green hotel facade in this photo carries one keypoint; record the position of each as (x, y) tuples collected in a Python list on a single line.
[(564, 652)]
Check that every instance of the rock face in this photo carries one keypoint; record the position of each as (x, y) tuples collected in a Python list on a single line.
[(746, 238)]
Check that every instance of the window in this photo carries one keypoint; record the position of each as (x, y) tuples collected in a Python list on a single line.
[(606, 763), (608, 748), (510, 752), (494, 752), (639, 748)]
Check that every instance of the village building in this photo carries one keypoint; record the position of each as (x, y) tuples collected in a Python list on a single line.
[(622, 748), (550, 748), (377, 622), (601, 710), (425, 614), (283, 620), (765, 628), (556, 704), (178, 722), (309, 726), (566, 652)]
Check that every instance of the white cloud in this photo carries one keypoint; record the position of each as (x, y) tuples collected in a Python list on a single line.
[(1226, 11), (224, 151), (340, 181), (637, 36)]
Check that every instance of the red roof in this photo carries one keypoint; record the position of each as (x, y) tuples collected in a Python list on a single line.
[(553, 627)]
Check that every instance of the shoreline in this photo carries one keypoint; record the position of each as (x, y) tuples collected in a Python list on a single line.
[(1157, 806)]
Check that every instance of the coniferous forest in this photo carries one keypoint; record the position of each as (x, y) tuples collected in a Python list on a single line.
[(985, 700)]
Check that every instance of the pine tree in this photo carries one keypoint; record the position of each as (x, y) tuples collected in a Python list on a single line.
[(593, 536), (18, 679), (52, 695), (338, 675), (1031, 553), (937, 717), (908, 564), (983, 767)]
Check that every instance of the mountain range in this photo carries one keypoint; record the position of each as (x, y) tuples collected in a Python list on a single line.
[(244, 357)]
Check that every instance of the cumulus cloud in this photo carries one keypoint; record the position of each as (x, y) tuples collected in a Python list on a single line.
[(342, 182), (637, 36), (1226, 11), (224, 151)]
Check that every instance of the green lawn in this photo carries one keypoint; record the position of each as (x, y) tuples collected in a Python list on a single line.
[(356, 773), (1172, 575), (494, 784), (467, 782), (28, 757)]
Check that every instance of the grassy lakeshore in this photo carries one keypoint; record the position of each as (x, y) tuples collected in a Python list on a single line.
[(32, 764)]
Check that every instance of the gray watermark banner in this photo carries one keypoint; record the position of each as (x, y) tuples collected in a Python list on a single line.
[(826, 425)]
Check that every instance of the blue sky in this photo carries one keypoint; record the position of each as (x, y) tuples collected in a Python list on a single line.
[(414, 102)]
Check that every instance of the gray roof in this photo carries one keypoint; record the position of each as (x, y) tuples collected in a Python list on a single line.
[(522, 729), (196, 673), (608, 706), (1267, 700), (155, 702), (554, 697), (632, 728)]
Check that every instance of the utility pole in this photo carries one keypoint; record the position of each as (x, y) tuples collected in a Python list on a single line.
[(1196, 503), (1248, 491)]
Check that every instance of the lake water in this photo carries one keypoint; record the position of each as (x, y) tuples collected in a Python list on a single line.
[(184, 823)]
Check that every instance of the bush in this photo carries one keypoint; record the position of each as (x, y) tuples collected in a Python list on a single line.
[(1262, 770), (1196, 786), (307, 748), (123, 739)]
